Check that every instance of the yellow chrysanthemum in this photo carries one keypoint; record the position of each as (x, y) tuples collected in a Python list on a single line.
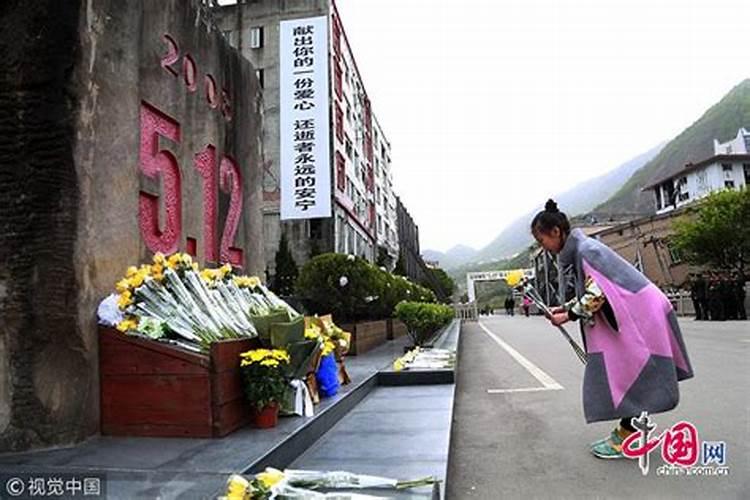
[(280, 354), (159, 259), (131, 271), (127, 324), (514, 278), (269, 362), (173, 261), (328, 348), (270, 477), (122, 285), (125, 299), (195, 266), (253, 282), (237, 487), (398, 365)]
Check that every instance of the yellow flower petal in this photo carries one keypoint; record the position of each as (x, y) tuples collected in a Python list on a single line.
[(270, 477), (514, 278)]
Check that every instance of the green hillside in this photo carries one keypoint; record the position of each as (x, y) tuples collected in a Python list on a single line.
[(694, 144)]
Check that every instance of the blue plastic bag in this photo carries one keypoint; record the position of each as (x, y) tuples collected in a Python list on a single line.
[(328, 376)]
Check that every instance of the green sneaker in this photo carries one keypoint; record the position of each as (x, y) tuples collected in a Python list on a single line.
[(612, 435), (609, 448)]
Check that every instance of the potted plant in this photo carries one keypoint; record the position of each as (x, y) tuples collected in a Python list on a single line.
[(264, 383)]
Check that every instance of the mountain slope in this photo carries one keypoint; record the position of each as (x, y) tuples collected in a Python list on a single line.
[(454, 257), (581, 198), (694, 144)]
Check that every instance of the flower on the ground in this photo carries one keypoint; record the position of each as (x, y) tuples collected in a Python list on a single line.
[(343, 281), (350, 257), (270, 477)]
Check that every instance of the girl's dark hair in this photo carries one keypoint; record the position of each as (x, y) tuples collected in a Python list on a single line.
[(550, 218)]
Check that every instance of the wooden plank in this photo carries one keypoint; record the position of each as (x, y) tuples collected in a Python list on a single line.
[(226, 387), (156, 415), (121, 358), (148, 430), (230, 417), (158, 391), (225, 355), (110, 334)]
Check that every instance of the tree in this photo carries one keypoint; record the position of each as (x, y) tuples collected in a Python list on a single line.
[(286, 269), (719, 233), (383, 260), (442, 280), (400, 268)]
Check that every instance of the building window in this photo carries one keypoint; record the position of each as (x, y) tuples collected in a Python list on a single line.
[(729, 184), (746, 168), (337, 80), (231, 37), (340, 172), (339, 123), (261, 76), (256, 37), (348, 147), (674, 254), (727, 168)]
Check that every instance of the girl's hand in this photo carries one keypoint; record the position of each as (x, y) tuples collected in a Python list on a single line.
[(558, 318)]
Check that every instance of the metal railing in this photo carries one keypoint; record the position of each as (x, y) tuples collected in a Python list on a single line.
[(466, 312)]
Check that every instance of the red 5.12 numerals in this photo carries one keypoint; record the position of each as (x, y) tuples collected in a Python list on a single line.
[(156, 163)]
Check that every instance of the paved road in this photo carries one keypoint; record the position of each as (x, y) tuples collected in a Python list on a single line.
[(533, 443)]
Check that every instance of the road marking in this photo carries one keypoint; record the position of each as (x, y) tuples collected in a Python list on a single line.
[(525, 389), (548, 382)]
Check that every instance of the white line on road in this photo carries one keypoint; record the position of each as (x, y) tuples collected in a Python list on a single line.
[(548, 382), (525, 389)]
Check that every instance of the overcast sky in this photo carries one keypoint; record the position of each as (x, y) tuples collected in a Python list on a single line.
[(491, 106)]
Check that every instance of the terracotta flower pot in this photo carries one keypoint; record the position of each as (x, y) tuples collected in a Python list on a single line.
[(266, 417)]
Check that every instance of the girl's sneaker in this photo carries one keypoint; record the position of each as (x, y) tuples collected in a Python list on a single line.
[(610, 447)]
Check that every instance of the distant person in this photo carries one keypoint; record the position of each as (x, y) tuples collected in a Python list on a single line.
[(636, 354), (738, 286), (715, 304), (526, 305), (512, 305), (698, 296)]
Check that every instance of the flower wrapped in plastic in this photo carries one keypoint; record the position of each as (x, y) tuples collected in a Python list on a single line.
[(302, 485), (521, 283), (171, 295)]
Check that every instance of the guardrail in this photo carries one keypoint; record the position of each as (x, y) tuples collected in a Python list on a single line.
[(466, 312)]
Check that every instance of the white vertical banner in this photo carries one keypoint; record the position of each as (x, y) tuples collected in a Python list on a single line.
[(304, 119)]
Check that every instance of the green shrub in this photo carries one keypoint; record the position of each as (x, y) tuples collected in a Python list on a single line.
[(367, 292), (340, 284), (422, 319)]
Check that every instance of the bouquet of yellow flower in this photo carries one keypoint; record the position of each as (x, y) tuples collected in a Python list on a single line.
[(172, 294), (301, 485), (516, 279)]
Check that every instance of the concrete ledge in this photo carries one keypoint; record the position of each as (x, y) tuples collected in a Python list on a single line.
[(391, 378), (284, 453)]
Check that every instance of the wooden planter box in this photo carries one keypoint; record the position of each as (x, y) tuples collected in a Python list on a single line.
[(366, 335), (399, 329), (154, 389)]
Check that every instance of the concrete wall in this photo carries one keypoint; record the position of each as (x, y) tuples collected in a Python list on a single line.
[(86, 82), (648, 236)]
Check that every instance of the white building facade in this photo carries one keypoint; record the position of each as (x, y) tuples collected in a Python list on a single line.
[(729, 168), (363, 206)]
